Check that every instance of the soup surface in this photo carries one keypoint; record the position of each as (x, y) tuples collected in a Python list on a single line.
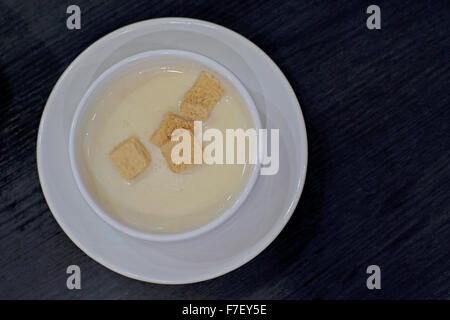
[(158, 200)]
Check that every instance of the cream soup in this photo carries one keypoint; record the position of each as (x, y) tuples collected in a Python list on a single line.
[(158, 200)]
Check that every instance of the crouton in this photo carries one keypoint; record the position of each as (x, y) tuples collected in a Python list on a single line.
[(130, 158), (170, 122), (199, 101), (166, 150)]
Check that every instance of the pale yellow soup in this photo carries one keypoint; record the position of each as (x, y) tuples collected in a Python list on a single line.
[(158, 200)]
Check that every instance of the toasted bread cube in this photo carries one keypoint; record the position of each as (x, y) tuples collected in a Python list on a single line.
[(170, 122), (199, 101), (166, 150), (130, 158)]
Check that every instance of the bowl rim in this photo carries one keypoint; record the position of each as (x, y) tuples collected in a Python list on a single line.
[(74, 136)]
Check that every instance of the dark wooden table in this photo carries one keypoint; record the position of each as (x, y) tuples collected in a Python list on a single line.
[(376, 105)]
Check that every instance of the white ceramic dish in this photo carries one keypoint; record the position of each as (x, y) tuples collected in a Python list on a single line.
[(149, 59), (237, 240)]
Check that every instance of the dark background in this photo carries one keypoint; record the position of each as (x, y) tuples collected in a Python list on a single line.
[(376, 106)]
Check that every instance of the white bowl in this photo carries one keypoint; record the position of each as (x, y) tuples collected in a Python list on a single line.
[(234, 242), (145, 60)]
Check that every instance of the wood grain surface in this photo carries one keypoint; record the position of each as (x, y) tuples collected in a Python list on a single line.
[(376, 105)]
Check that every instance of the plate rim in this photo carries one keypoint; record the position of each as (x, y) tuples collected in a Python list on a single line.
[(265, 241)]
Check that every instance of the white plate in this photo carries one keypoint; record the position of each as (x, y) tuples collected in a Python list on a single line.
[(259, 219)]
